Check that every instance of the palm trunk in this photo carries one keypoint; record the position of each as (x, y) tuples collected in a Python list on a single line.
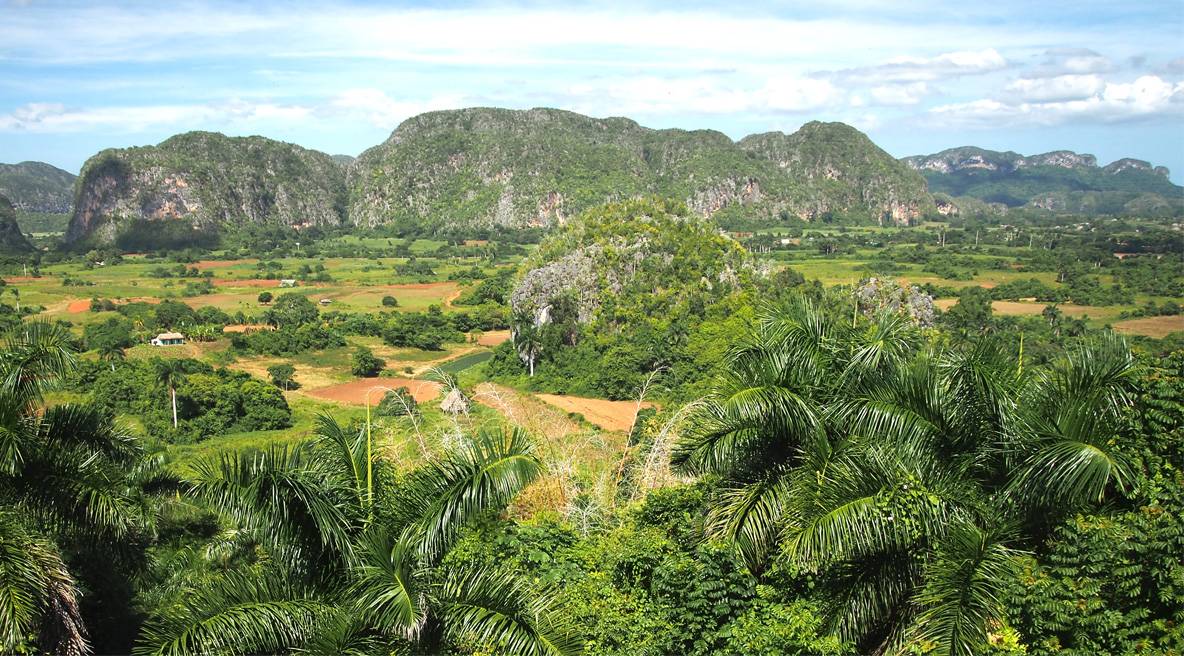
[(174, 392), (532, 366)]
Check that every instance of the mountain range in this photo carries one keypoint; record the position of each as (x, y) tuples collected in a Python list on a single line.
[(1060, 181), (483, 167)]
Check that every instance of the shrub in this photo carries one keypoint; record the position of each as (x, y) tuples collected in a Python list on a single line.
[(366, 364)]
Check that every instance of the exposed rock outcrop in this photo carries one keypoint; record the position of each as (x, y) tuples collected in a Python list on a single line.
[(207, 182), (485, 166)]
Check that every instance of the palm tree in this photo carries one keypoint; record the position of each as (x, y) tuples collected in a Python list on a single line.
[(111, 353), (355, 557), (902, 475), (529, 343), (170, 373), (66, 473)]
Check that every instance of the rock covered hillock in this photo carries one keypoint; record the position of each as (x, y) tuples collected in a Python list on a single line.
[(539, 167), (204, 182), (835, 168), (37, 187), (12, 240)]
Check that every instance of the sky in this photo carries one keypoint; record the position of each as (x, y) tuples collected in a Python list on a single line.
[(1105, 78)]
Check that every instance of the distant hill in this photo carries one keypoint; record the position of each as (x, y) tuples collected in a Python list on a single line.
[(1059, 181), (11, 238), (538, 167), (37, 187), (196, 184)]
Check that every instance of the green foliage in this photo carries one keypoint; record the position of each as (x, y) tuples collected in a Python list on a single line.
[(844, 452), (288, 341), (365, 364), (111, 334), (209, 401), (397, 403), (281, 375), (645, 264), (428, 331), (74, 488), (291, 310)]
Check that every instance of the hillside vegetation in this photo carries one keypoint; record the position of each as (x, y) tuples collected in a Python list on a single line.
[(196, 184), (537, 167), (37, 187)]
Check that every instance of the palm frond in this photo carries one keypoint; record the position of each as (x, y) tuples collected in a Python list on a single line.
[(484, 474), (35, 355), (750, 518), (239, 614), (496, 610), (37, 594), (962, 597), (283, 495), (390, 590), (345, 452)]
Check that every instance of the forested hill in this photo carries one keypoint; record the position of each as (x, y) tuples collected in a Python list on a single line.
[(538, 167), (37, 187), (1058, 181), (204, 182), (11, 238)]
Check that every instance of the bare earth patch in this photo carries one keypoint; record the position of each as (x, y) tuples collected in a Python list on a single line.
[(1152, 326), (76, 307), (248, 282), (354, 392), (218, 264), (1027, 308), (609, 415), (494, 337), (247, 327)]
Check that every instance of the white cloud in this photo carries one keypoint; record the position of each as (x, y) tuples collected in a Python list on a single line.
[(1072, 61), (381, 110), (1147, 96), (650, 95), (371, 105), (1059, 88), (925, 69), (899, 94)]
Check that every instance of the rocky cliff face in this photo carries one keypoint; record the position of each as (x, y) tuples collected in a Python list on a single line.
[(1059, 181), (207, 182), (539, 167), (12, 240), (37, 187), (834, 168)]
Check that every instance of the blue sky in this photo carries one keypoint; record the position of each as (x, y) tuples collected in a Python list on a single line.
[(1100, 77)]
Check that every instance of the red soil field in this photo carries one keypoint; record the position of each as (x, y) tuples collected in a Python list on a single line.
[(609, 415)]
